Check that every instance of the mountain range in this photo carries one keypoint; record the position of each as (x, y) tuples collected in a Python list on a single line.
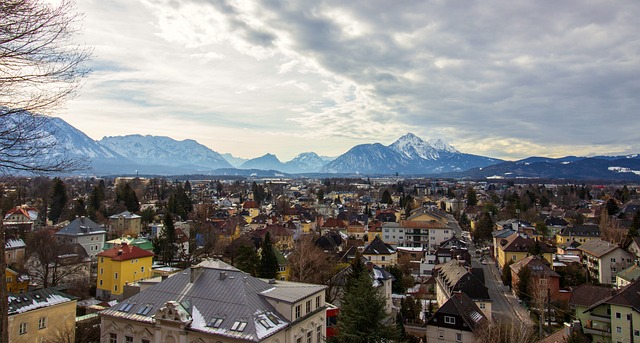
[(409, 155)]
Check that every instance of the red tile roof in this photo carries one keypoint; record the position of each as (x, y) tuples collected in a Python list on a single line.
[(124, 252)]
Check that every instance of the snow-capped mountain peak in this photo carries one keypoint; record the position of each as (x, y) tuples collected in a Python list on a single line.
[(413, 147)]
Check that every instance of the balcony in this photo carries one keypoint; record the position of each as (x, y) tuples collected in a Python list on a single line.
[(595, 327)]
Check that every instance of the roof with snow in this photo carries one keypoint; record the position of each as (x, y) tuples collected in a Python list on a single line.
[(24, 302), (378, 247), (218, 299), (14, 244), (125, 215)]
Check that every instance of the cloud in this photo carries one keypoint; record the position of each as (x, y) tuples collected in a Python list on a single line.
[(503, 79)]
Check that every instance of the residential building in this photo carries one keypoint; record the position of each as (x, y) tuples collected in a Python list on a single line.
[(71, 266), (16, 282), (125, 224), (454, 276), (121, 264), (456, 320), (392, 233), (41, 315), (139, 242), (614, 318), (628, 275), (517, 247), (604, 259), (85, 232), (380, 254), (20, 220), (578, 233), (214, 302), (281, 237), (14, 251), (543, 279)]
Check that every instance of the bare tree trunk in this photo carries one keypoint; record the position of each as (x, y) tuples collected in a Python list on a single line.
[(4, 306)]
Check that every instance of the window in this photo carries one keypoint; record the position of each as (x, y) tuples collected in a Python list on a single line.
[(298, 310), (216, 322), (383, 258), (440, 334), (115, 288), (458, 337), (145, 341), (101, 259), (101, 271), (308, 306), (115, 275), (309, 336), (142, 269), (23, 328), (113, 338), (513, 258), (100, 282), (613, 259), (636, 332), (482, 306), (449, 320), (317, 301), (128, 339), (319, 333), (299, 340), (618, 329), (42, 323)]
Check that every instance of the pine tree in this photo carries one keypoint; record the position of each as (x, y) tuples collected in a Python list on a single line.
[(268, 260), (472, 198), (127, 196), (59, 200), (362, 317), (386, 197), (635, 225), (247, 260)]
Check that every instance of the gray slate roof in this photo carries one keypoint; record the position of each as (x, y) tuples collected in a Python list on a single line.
[(81, 226), (219, 292), (597, 247)]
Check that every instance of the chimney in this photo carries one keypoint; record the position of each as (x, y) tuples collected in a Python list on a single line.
[(223, 275), (195, 273)]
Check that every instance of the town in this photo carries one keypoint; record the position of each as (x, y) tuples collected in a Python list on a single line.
[(150, 259)]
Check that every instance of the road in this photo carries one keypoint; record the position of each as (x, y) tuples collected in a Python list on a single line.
[(505, 306)]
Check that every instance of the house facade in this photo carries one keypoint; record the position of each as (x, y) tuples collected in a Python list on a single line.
[(119, 265), (125, 224), (214, 302), (85, 232), (41, 315), (604, 259), (453, 277), (455, 321)]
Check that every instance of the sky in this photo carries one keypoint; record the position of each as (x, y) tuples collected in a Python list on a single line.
[(504, 79)]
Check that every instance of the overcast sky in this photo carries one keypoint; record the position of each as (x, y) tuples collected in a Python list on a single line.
[(505, 79)]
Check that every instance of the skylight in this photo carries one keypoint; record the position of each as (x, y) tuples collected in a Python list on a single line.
[(126, 307), (238, 326), (215, 322), (264, 323), (144, 310)]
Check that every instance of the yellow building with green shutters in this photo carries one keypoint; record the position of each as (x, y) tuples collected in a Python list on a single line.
[(121, 264)]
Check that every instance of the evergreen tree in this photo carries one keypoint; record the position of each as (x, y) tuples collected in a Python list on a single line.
[(386, 197), (268, 260), (484, 227), (396, 286), (612, 206), (402, 333), (635, 225), (362, 317), (472, 198), (59, 200), (95, 200), (127, 196), (164, 245), (247, 260), (506, 273), (524, 284), (179, 202), (320, 194)]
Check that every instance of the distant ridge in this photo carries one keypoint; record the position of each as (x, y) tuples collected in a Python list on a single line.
[(409, 155)]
